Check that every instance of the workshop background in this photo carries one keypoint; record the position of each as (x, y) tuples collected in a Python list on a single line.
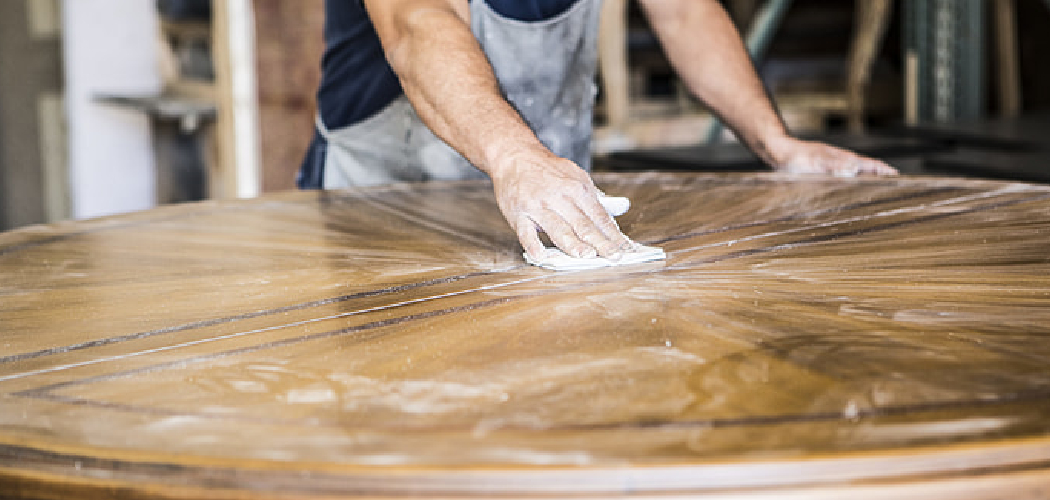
[(112, 106)]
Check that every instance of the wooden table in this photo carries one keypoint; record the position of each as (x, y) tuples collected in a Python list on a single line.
[(806, 338)]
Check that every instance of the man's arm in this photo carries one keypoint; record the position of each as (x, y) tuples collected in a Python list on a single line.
[(448, 80), (706, 50)]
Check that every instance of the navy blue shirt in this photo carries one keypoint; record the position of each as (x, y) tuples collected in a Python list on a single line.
[(357, 82)]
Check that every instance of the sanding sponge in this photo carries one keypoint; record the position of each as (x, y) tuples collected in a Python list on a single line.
[(557, 260)]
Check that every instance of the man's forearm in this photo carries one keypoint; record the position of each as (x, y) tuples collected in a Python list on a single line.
[(707, 52), (448, 79)]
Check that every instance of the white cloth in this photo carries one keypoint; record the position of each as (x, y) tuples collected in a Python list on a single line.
[(615, 205), (556, 260)]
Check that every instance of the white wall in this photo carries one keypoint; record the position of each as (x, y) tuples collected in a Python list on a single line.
[(110, 48)]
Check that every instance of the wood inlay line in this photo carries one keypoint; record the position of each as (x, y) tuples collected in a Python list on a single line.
[(841, 234), (805, 215), (278, 343), (229, 319)]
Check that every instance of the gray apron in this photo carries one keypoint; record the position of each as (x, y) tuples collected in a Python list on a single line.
[(545, 70)]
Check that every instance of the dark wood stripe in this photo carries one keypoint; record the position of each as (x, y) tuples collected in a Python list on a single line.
[(230, 319), (806, 215)]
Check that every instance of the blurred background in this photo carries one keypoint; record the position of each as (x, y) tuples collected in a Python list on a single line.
[(112, 106)]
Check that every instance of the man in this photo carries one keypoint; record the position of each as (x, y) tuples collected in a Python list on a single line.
[(509, 85)]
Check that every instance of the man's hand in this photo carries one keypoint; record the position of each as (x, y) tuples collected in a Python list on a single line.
[(537, 190), (805, 157), (707, 51)]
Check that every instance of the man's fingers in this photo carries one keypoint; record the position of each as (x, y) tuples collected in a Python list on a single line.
[(882, 168), (602, 232), (529, 237), (815, 157), (588, 222), (869, 166), (563, 234)]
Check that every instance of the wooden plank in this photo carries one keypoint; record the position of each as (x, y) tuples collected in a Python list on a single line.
[(872, 19), (237, 132), (612, 53), (808, 337), (31, 187), (288, 62), (1009, 67)]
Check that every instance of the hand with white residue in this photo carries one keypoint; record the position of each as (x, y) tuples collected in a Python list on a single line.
[(804, 157), (537, 190)]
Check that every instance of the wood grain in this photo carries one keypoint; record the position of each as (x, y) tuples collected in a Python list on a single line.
[(288, 47), (806, 338)]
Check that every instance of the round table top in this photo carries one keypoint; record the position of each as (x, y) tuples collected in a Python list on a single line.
[(810, 336)]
